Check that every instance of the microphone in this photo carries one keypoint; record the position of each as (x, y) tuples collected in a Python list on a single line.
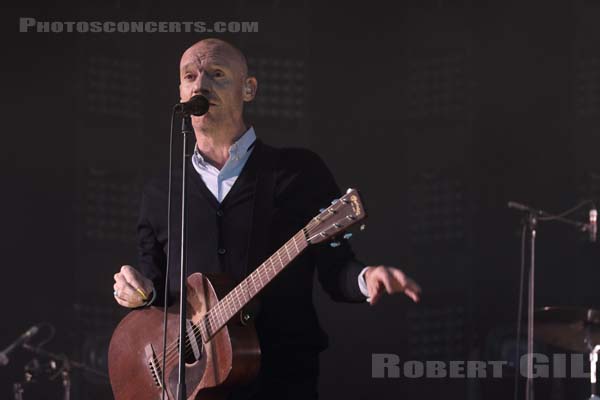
[(523, 207), (517, 206), (20, 340), (197, 105), (593, 225)]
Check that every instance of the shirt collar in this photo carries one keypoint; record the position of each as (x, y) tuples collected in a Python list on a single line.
[(237, 149)]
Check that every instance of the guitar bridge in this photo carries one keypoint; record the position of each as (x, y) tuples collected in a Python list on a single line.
[(153, 365)]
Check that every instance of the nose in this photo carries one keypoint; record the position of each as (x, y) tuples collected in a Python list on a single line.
[(202, 85)]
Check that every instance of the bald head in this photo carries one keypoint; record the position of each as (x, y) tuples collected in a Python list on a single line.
[(216, 48), (218, 71)]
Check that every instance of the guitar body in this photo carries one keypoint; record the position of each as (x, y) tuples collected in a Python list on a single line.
[(231, 357)]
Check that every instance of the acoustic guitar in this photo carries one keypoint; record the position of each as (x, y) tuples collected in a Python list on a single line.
[(221, 345)]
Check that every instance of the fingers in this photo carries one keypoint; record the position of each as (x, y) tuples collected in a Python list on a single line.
[(374, 287), (375, 293), (131, 288), (405, 284), (413, 295), (137, 280), (391, 280), (412, 290), (394, 280), (126, 293)]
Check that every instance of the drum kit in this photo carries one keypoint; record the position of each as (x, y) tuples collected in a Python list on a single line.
[(47, 370), (572, 329), (568, 328), (49, 367)]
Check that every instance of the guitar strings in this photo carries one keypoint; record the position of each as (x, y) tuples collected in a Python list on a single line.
[(173, 353), (172, 350)]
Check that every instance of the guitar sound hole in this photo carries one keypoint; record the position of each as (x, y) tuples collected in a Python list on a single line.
[(190, 358), (193, 350)]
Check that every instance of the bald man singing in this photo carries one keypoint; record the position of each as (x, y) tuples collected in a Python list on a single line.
[(246, 199)]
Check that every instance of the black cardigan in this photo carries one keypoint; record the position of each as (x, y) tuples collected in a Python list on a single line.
[(237, 235)]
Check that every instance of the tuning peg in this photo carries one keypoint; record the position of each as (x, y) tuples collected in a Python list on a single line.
[(349, 190), (335, 201), (347, 235), (334, 244), (321, 210), (362, 227)]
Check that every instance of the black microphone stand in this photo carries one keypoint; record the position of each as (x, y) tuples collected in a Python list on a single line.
[(186, 130), (530, 224), (63, 368), (198, 105)]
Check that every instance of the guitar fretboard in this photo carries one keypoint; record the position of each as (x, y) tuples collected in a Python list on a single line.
[(235, 300)]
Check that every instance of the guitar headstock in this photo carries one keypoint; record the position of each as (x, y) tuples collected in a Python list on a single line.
[(342, 214)]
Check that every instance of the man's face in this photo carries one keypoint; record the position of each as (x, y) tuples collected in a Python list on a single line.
[(217, 72)]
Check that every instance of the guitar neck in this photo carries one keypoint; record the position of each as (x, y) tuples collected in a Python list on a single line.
[(335, 219), (235, 300)]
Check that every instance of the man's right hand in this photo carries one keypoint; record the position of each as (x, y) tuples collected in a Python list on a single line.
[(131, 288)]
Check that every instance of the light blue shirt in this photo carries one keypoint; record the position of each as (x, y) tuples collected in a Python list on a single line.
[(220, 182)]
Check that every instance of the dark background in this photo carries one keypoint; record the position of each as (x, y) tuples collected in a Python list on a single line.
[(438, 111)]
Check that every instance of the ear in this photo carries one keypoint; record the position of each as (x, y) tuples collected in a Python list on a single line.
[(250, 87)]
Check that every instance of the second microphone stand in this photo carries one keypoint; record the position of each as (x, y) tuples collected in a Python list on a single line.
[(530, 223)]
